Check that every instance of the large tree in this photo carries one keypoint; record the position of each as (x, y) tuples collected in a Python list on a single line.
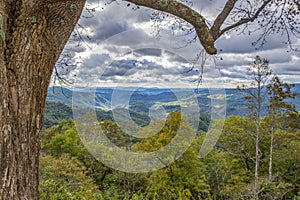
[(33, 34)]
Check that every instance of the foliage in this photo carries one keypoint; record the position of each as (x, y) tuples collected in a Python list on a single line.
[(232, 163), (56, 112), (225, 173), (65, 178), (184, 178)]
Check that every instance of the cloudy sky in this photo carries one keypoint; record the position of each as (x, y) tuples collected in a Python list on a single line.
[(125, 50)]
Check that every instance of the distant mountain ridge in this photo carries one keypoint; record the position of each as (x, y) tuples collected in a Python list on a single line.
[(138, 101), (108, 98)]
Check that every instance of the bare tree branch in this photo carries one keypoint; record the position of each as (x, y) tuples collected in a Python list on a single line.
[(245, 20), (186, 13), (215, 29)]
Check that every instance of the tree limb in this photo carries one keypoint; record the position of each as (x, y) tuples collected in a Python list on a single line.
[(215, 29), (246, 20), (186, 13)]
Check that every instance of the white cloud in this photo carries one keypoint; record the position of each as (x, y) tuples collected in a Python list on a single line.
[(118, 30)]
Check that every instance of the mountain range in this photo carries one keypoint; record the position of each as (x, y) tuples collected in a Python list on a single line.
[(139, 102)]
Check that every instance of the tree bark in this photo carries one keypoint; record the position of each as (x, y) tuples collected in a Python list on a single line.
[(271, 144), (33, 36), (257, 138)]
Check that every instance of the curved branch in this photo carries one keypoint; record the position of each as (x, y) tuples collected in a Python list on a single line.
[(246, 20), (215, 29), (186, 13)]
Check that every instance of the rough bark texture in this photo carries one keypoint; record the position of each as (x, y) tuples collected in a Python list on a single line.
[(33, 36)]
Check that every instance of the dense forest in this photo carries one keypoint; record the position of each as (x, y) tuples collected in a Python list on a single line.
[(68, 171)]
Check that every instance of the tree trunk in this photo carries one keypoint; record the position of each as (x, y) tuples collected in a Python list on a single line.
[(256, 159), (33, 34), (271, 145), (257, 138)]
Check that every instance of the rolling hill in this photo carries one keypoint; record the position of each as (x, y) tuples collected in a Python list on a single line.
[(139, 102)]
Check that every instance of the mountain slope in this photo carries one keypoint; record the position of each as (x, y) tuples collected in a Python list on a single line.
[(139, 101)]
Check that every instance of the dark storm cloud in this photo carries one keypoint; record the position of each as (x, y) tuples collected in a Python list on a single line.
[(291, 71), (233, 74), (87, 73), (149, 52), (275, 57), (95, 60), (79, 48), (109, 29), (88, 20), (230, 60), (237, 50), (188, 72), (158, 70), (288, 68), (130, 67), (133, 39), (116, 71), (75, 46), (126, 64), (172, 57), (242, 43), (115, 18), (95, 1), (120, 68)]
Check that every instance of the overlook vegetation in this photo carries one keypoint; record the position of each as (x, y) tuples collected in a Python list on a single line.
[(33, 36), (256, 157), (68, 171)]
